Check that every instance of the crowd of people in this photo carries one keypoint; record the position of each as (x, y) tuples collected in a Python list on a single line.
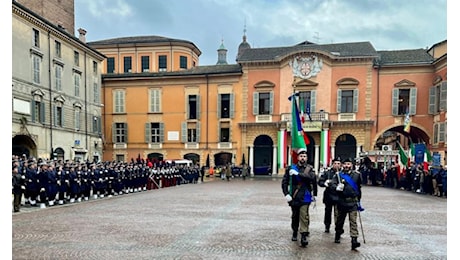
[(43, 183), (419, 178)]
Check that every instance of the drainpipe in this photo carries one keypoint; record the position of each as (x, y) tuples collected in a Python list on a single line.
[(378, 97), (49, 90), (207, 110), (86, 106)]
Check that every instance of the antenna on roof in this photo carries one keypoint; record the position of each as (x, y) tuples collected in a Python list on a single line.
[(316, 37)]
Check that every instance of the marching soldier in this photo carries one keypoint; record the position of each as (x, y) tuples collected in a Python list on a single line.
[(348, 186), (330, 196)]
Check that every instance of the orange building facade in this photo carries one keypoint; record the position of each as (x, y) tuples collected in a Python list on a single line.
[(158, 103)]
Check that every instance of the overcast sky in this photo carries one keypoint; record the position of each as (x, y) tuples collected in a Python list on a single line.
[(387, 24)]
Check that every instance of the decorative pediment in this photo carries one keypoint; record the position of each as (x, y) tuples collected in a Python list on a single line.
[(59, 98), (347, 82), (264, 84), (305, 83), (38, 92), (437, 80), (405, 84), (77, 104)]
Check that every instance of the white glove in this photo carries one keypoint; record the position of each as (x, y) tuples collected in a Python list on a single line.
[(42, 189), (288, 198), (293, 172), (340, 187), (23, 187), (326, 183)]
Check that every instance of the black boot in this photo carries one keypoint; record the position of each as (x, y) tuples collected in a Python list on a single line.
[(327, 229), (354, 243), (294, 236), (303, 240), (337, 238)]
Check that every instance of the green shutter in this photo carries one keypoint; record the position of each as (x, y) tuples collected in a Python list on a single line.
[(125, 126), (312, 101), (148, 132), (162, 132), (218, 132), (355, 100), (198, 107), (187, 106), (339, 100), (255, 103), (54, 115), (395, 102), (232, 105), (198, 131), (184, 132), (432, 101), (114, 132), (42, 113), (435, 134), (443, 97), (33, 111), (413, 101), (272, 100), (219, 102)]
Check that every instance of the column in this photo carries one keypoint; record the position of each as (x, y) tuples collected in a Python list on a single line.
[(358, 150), (333, 152), (316, 159), (251, 159), (275, 161)]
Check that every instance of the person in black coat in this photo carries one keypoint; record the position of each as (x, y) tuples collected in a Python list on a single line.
[(300, 189), (330, 196), (348, 186), (18, 182)]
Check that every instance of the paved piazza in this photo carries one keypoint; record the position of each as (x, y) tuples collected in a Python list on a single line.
[(227, 220)]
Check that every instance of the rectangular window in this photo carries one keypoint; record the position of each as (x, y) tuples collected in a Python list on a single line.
[(94, 67), (127, 64), (403, 101), (96, 124), (57, 46), (224, 133), (76, 83), (155, 131), (191, 135), (110, 65), (59, 116), (38, 112), (120, 133), (264, 103), (76, 58), (58, 77), (155, 101), (145, 63), (183, 62), (192, 107), (120, 157), (162, 63), (442, 131), (36, 38), (346, 101), (96, 92), (225, 105), (36, 68), (77, 119), (119, 101)]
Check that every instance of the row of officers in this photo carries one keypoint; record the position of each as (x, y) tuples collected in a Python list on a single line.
[(49, 183)]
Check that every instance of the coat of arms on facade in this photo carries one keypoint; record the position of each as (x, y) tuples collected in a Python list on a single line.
[(306, 67)]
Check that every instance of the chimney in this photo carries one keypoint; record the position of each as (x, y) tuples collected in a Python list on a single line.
[(82, 36)]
